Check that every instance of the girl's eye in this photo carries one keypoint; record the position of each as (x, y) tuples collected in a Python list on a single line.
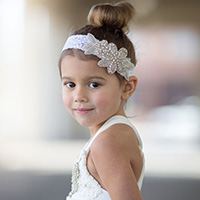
[(70, 84), (94, 85)]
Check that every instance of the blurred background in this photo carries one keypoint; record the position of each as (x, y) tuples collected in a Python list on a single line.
[(39, 141)]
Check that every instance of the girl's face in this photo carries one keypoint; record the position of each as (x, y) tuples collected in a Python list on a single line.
[(90, 94)]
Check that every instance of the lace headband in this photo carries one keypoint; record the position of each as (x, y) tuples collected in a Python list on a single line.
[(115, 60)]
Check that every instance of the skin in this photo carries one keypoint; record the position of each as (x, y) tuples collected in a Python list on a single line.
[(92, 96)]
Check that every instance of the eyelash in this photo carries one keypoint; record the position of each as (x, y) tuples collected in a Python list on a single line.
[(72, 85), (95, 83), (67, 84)]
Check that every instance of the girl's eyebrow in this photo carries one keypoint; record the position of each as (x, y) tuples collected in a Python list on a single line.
[(89, 77), (65, 77), (96, 77)]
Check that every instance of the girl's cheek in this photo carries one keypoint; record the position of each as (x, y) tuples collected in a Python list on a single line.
[(102, 100), (66, 100)]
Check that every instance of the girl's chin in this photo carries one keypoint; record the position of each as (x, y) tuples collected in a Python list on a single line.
[(84, 123)]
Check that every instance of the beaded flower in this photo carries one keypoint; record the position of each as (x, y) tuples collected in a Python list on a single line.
[(110, 57)]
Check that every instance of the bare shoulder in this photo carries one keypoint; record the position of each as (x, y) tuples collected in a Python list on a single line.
[(118, 137), (116, 157)]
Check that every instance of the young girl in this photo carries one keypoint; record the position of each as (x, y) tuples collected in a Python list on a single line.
[(96, 67)]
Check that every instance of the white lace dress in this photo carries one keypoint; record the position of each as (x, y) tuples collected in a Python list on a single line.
[(84, 186)]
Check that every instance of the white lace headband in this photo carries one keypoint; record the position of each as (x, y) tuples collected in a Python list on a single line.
[(115, 60)]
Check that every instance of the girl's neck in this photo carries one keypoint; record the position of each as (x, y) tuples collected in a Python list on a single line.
[(95, 128)]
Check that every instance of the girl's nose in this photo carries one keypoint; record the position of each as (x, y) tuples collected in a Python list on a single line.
[(80, 95)]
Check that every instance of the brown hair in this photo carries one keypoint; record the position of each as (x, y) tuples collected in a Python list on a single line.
[(109, 22)]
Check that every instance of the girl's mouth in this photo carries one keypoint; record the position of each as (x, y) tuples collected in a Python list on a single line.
[(83, 111)]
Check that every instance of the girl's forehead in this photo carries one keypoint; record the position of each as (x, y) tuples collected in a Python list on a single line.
[(73, 65), (74, 61)]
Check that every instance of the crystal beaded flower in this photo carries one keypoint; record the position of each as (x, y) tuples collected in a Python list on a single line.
[(111, 57)]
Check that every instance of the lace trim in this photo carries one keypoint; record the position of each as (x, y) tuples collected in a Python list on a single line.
[(82, 182), (75, 42)]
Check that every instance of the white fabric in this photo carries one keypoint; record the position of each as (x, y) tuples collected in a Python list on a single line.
[(88, 187), (76, 42)]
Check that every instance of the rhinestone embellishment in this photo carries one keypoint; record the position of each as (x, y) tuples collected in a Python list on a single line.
[(75, 177), (83, 183), (110, 57)]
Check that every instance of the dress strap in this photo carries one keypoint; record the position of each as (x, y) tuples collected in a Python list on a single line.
[(117, 119)]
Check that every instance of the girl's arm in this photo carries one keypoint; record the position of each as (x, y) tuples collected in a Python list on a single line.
[(112, 152)]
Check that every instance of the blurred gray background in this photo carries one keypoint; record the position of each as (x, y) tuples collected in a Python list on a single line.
[(39, 141)]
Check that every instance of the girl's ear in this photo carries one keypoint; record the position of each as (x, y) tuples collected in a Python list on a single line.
[(129, 87)]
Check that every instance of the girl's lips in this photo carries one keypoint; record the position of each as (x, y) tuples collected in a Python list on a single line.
[(83, 111)]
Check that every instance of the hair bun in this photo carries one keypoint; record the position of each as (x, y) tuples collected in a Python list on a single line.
[(116, 16)]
